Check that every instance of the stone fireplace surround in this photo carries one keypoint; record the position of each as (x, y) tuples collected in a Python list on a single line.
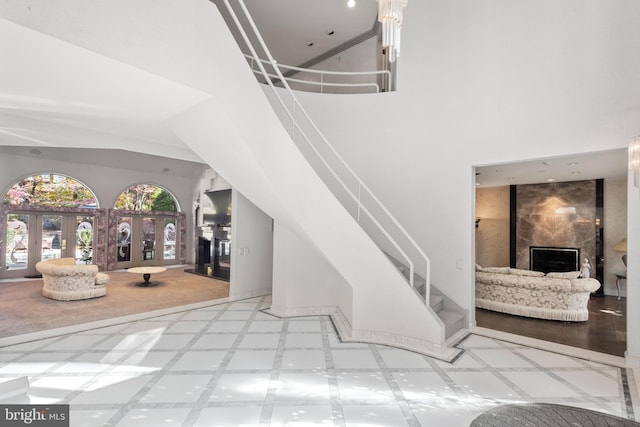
[(557, 215)]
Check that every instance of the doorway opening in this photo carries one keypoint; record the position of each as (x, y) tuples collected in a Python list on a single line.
[(496, 186)]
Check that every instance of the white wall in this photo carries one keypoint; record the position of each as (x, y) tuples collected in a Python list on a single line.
[(361, 57), (304, 279), (252, 249)]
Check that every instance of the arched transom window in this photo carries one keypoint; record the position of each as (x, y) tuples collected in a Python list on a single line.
[(146, 197), (52, 190)]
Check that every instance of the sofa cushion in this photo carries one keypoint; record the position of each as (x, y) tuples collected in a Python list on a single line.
[(102, 279), (528, 273), (584, 285), (567, 275), (500, 270)]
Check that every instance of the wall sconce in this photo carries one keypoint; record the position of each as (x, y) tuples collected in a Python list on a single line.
[(634, 159)]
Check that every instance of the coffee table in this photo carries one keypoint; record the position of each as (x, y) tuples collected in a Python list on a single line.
[(146, 274)]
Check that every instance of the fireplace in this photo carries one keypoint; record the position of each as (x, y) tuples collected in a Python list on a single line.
[(549, 259)]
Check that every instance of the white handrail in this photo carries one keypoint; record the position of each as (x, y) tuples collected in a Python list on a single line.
[(361, 184), (321, 84), (323, 73)]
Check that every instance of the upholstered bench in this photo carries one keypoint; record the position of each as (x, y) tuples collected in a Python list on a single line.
[(64, 280)]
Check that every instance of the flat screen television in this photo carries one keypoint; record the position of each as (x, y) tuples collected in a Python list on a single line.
[(550, 259)]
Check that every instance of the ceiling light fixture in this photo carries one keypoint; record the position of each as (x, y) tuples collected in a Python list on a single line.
[(351, 3), (390, 16), (634, 159)]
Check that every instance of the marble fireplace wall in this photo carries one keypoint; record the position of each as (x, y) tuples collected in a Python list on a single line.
[(559, 214)]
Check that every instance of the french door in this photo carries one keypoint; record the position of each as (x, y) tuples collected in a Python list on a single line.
[(31, 237), (146, 240)]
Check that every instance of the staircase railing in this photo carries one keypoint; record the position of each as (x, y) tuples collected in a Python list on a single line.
[(323, 74), (303, 126)]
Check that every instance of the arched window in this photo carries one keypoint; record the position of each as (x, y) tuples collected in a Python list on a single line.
[(146, 197), (52, 190)]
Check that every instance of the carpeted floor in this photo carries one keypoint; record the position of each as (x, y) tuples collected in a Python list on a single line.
[(24, 310)]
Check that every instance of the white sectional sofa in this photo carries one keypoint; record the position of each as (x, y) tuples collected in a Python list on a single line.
[(66, 281), (554, 296)]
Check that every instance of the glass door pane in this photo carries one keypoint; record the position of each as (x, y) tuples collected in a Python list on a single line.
[(124, 238), (148, 239), (17, 242), (84, 240), (51, 239), (169, 251)]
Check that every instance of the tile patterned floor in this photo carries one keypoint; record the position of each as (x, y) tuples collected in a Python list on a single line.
[(233, 365)]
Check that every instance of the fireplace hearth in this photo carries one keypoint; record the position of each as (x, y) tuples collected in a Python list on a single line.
[(550, 259)]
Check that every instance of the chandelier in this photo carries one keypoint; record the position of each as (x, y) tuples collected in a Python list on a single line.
[(390, 16)]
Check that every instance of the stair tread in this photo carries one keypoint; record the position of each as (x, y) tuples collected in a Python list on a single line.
[(436, 299), (449, 316)]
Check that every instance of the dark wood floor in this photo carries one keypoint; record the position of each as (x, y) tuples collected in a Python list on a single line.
[(604, 332)]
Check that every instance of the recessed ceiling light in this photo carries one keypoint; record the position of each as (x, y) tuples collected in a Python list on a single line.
[(309, 44), (551, 179), (547, 162), (499, 171), (572, 163), (351, 3), (330, 32), (165, 169), (575, 173), (35, 151)]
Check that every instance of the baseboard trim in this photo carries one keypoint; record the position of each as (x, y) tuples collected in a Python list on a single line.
[(233, 296), (347, 334)]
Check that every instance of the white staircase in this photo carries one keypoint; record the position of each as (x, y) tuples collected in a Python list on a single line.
[(359, 202), (259, 148), (452, 315)]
